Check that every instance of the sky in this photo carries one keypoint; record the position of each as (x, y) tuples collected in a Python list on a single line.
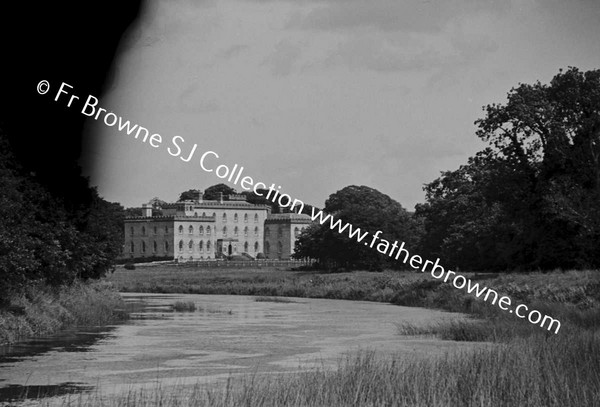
[(316, 95)]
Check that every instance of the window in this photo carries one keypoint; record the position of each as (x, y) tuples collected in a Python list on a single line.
[(296, 232), (201, 246), (246, 231), (180, 230), (166, 246), (214, 215), (132, 247), (279, 247), (208, 247), (256, 247), (166, 230), (154, 246), (155, 230), (143, 247), (235, 231), (191, 230), (224, 230), (256, 218), (267, 247), (224, 217), (201, 230), (203, 213), (181, 245), (196, 214), (245, 218), (208, 231), (246, 247), (280, 232), (143, 231), (267, 232), (191, 245), (256, 231), (131, 231), (235, 217)]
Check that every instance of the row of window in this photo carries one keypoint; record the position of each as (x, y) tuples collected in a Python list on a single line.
[(190, 246), (236, 230), (143, 230), (143, 247)]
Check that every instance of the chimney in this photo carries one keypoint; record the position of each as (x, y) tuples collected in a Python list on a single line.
[(147, 210)]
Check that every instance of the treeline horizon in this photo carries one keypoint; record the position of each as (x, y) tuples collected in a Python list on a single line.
[(528, 201)]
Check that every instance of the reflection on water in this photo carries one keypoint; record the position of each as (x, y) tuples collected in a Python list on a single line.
[(226, 335)]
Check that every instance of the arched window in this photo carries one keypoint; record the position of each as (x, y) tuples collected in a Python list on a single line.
[(196, 214), (132, 247), (224, 217), (235, 231), (166, 229), (235, 217), (208, 230), (203, 213), (180, 229), (267, 247), (296, 232), (191, 230), (191, 245), (224, 230), (181, 245), (267, 232), (154, 246), (246, 247), (155, 230), (166, 246), (256, 231), (245, 218), (214, 215), (131, 231), (201, 246), (201, 230), (246, 231), (256, 247), (279, 247), (208, 247), (191, 258), (256, 218), (143, 247), (143, 231)]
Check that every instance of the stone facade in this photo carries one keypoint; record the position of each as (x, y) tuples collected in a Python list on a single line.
[(281, 231), (207, 229)]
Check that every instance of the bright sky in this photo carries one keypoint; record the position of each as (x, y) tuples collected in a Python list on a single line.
[(315, 95)]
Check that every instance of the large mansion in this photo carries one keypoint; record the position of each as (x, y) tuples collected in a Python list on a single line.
[(208, 229)]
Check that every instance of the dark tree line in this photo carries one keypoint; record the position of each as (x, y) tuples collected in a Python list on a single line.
[(44, 238), (530, 200)]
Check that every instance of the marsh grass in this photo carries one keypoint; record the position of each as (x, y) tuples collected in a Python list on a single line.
[(184, 306), (273, 299), (561, 370), (42, 310)]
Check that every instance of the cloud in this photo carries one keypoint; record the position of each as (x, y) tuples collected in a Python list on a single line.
[(282, 59), (232, 51), (421, 16)]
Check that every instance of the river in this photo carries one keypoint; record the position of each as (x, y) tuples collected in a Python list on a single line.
[(226, 335)]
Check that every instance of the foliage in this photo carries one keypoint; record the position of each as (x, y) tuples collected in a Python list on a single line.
[(213, 192), (529, 200), (42, 238)]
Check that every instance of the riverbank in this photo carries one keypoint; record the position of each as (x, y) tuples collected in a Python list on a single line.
[(579, 289), (43, 310)]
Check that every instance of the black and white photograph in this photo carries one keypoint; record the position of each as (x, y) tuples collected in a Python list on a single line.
[(300, 203)]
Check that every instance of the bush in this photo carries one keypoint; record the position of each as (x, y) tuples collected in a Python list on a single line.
[(130, 266)]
